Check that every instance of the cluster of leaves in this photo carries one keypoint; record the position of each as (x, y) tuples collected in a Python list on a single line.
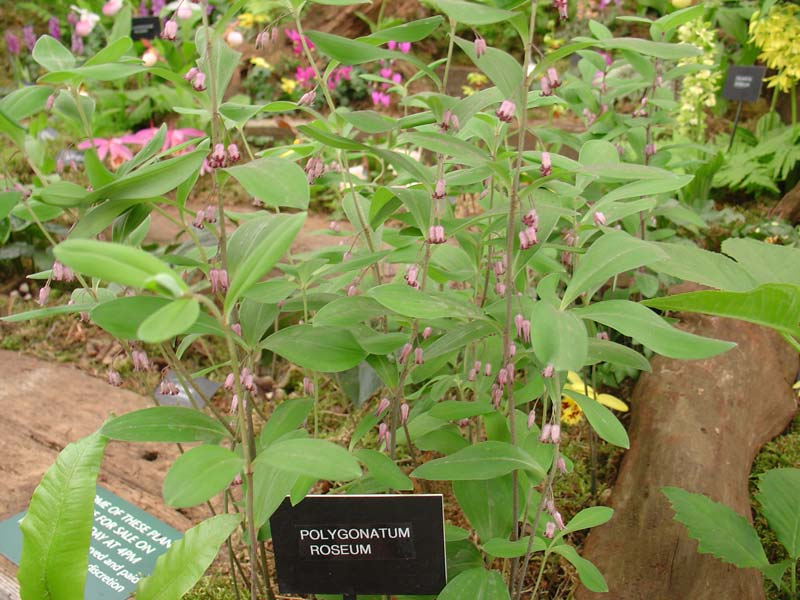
[(339, 309)]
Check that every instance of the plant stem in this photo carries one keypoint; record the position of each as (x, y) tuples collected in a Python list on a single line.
[(451, 37)]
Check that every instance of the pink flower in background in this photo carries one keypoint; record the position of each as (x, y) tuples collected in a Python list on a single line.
[(340, 74), (391, 44), (405, 47), (28, 37), (297, 41), (114, 148), (380, 98), (174, 137), (305, 76)]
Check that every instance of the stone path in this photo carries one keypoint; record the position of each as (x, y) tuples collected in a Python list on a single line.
[(48, 405)]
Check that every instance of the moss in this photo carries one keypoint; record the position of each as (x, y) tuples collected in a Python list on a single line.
[(216, 587)]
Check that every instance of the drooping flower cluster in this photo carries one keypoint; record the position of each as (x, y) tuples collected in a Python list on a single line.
[(777, 35), (699, 89)]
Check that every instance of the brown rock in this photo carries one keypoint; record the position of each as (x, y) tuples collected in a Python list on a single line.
[(697, 425), (789, 206)]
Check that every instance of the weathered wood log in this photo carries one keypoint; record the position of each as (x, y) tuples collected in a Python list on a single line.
[(697, 425)]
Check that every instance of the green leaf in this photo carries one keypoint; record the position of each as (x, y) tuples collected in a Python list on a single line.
[(505, 548), (454, 410), (58, 526), (199, 474), (63, 193), (766, 263), (459, 337), (164, 424), (181, 567), (255, 247), (347, 51), (152, 180), (384, 470), (111, 53), (472, 13), (485, 460), (115, 262), (719, 530), (690, 263), (636, 321), (616, 354), (602, 420), (270, 486), (447, 145), (772, 305), (560, 337), (49, 53), (486, 505), (476, 584), (368, 121), (412, 31), (614, 253), (168, 321), (323, 348), (349, 310), (288, 416), (406, 301), (121, 317), (41, 313), (637, 189), (24, 102), (502, 68), (274, 181), (779, 490), (589, 574), (646, 47), (319, 459), (589, 517)]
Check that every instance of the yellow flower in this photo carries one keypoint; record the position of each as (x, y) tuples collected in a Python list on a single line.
[(260, 62), (477, 79), (288, 85), (246, 20), (466, 90), (571, 413)]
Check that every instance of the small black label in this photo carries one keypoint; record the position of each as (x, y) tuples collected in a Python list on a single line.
[(372, 544), (744, 83), (145, 28)]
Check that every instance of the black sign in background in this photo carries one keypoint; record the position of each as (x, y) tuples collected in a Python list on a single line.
[(744, 83), (145, 28), (415, 566)]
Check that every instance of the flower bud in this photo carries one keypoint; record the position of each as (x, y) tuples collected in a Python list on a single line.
[(233, 153), (44, 294), (308, 98), (546, 167), (149, 58), (544, 437), (112, 7), (548, 371), (404, 408), (113, 378), (599, 218), (170, 30), (51, 100), (550, 530), (531, 419), (545, 84), (561, 465), (406, 351), (418, 359), (308, 386), (234, 38), (383, 405), (199, 82), (229, 382), (426, 333), (552, 76), (506, 111), (184, 11), (487, 370), (439, 190), (480, 46)]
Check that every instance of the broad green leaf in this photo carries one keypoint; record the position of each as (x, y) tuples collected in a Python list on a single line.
[(476, 584), (347, 51), (49, 53), (274, 181), (637, 189), (41, 313), (485, 460), (270, 486), (384, 470), (12, 129), (589, 517), (766, 263), (614, 253), (110, 53), (121, 317), (673, 20), (472, 13), (589, 574), (288, 416), (505, 548), (690, 263), (616, 354), (459, 337), (775, 572), (164, 424), (638, 322), (8, 200), (115, 262), (486, 504), (412, 31), (447, 145), (779, 491), (368, 121), (772, 305), (349, 310), (64, 194), (560, 337), (199, 474), (319, 459), (324, 348), (406, 301), (58, 526), (24, 102), (168, 321), (454, 410), (152, 180), (719, 530), (224, 60), (502, 68), (184, 563), (602, 420), (255, 247), (646, 47), (270, 292)]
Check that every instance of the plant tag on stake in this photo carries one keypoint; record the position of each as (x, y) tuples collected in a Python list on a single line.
[(145, 28), (743, 83), (371, 544), (125, 543)]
